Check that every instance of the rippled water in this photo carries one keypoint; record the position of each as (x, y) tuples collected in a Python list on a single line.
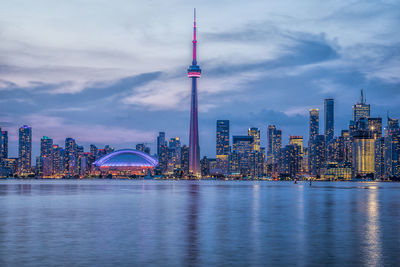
[(205, 223)]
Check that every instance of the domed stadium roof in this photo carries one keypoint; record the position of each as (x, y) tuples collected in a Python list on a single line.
[(126, 158)]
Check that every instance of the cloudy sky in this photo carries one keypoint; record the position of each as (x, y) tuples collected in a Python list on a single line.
[(114, 72)]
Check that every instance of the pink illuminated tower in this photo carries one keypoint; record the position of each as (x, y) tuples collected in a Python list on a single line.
[(194, 73)]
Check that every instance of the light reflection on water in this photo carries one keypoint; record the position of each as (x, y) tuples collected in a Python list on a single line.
[(198, 223)]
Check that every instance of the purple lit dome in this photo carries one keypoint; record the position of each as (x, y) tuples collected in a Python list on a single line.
[(126, 158)]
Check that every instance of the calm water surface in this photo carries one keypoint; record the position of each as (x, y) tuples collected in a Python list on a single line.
[(198, 223)]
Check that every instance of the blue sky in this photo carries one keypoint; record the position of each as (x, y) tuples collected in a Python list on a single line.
[(114, 72)]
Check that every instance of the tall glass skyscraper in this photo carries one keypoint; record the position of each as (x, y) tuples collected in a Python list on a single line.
[(314, 123), (255, 132), (222, 141), (25, 149), (3, 144), (361, 109), (274, 143), (194, 72), (329, 120)]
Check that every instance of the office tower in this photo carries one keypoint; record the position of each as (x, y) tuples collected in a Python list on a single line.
[(140, 147), (242, 147), (194, 73), (392, 149), (296, 140), (379, 158), (314, 123), (274, 144), (361, 109), (222, 140), (25, 149), (108, 149), (160, 142), (256, 163), (174, 154), (94, 150), (317, 155), (255, 133), (185, 160), (363, 153), (222, 147), (3, 144), (46, 156), (205, 166), (329, 120), (375, 126), (58, 160), (71, 157), (162, 153), (290, 161)]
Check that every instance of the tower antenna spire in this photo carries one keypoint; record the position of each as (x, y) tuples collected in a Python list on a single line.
[(362, 96)]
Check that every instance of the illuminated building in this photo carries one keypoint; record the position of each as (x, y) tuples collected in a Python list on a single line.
[(375, 126), (337, 171), (314, 123), (317, 155), (363, 154), (256, 163), (194, 72), (296, 140), (329, 120), (46, 157), (8, 167), (274, 144), (125, 163), (185, 160), (174, 155), (290, 161), (361, 109), (392, 150), (3, 144), (58, 161), (255, 133), (93, 150), (222, 147), (222, 140), (379, 158), (25, 150), (241, 149), (162, 153), (70, 157)]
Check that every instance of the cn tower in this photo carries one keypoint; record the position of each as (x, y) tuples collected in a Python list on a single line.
[(194, 72)]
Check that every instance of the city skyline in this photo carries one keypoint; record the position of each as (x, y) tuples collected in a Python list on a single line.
[(114, 105)]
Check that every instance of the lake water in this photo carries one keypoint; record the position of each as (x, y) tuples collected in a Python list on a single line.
[(198, 223)]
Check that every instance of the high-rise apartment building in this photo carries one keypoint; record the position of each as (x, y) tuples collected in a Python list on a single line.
[(25, 149)]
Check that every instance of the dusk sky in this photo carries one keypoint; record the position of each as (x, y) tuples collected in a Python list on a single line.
[(114, 72)]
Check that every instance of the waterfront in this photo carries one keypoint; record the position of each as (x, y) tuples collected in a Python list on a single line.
[(205, 223)]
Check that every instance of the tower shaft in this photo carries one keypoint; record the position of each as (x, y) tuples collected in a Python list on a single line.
[(194, 72)]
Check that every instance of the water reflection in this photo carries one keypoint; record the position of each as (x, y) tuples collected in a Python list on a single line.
[(372, 250), (203, 223), (192, 225)]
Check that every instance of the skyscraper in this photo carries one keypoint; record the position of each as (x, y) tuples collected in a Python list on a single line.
[(222, 141), (361, 109), (194, 72), (25, 149), (314, 123), (222, 147), (274, 144), (71, 156), (329, 120), (3, 144), (46, 156), (242, 147), (255, 132)]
